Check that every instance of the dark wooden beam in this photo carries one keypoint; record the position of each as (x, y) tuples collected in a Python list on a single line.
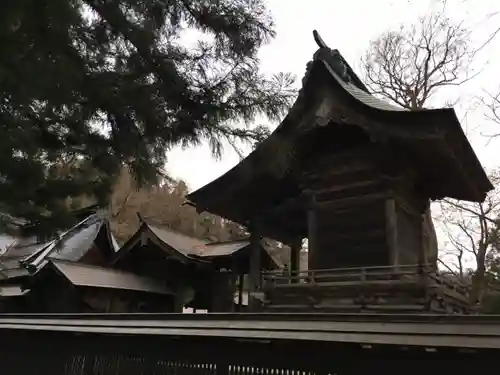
[(295, 248), (241, 281), (312, 231), (279, 222), (292, 204), (255, 265), (391, 231)]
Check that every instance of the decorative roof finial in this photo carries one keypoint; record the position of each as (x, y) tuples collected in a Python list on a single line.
[(318, 40)]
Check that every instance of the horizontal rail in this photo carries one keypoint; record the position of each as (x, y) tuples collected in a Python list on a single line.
[(355, 269), (466, 332), (266, 316), (362, 274)]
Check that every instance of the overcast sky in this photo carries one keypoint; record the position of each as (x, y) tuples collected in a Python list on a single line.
[(349, 26)]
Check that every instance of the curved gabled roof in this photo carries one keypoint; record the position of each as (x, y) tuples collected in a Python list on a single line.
[(173, 243), (72, 245), (187, 248), (434, 138)]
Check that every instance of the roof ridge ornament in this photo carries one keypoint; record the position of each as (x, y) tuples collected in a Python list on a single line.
[(336, 62), (332, 57), (319, 41)]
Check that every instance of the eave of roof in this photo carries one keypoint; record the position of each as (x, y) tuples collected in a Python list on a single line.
[(12, 291), (99, 277), (189, 248), (224, 249), (159, 237), (83, 236)]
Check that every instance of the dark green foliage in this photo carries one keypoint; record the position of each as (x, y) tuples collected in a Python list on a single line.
[(89, 86)]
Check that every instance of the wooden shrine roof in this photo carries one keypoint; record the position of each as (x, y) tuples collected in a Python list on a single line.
[(12, 291), (237, 250), (332, 94), (76, 242), (175, 245), (23, 254), (99, 277), (189, 249)]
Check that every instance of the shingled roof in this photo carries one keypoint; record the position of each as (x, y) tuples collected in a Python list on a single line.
[(186, 248), (99, 277), (23, 254)]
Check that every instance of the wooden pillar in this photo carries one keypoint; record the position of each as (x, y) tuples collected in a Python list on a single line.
[(240, 291), (232, 289), (391, 231), (312, 229), (178, 303), (295, 248), (223, 298), (255, 267), (429, 243)]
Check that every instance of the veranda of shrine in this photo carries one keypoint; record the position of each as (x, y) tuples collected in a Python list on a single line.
[(355, 177)]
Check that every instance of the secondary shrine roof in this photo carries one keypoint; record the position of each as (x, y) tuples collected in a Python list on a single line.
[(100, 277), (20, 255), (189, 249)]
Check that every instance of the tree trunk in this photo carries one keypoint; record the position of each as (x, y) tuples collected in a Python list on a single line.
[(479, 278)]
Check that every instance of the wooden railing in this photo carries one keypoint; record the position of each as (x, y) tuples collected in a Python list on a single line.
[(417, 273), (240, 344)]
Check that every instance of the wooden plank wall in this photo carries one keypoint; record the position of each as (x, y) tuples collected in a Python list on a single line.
[(349, 206)]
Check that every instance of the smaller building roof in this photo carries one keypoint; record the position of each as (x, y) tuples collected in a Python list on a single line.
[(12, 291), (98, 277), (185, 244), (188, 248), (21, 256), (222, 248), (73, 244), (238, 248), (10, 268), (174, 244), (6, 241)]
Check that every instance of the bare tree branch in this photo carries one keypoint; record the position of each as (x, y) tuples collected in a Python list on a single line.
[(492, 112), (409, 65), (473, 228), (122, 205)]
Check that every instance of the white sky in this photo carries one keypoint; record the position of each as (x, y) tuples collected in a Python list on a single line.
[(349, 26)]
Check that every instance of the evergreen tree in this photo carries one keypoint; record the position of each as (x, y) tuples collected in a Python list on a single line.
[(93, 85)]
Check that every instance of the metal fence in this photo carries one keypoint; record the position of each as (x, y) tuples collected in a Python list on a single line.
[(244, 344)]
